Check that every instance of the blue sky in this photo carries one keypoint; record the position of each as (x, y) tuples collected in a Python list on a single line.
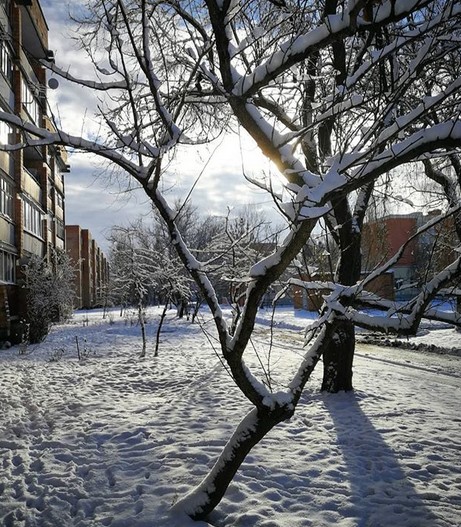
[(95, 202)]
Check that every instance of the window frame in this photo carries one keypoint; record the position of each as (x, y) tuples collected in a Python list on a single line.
[(32, 218), (29, 101), (6, 198), (7, 267), (6, 61)]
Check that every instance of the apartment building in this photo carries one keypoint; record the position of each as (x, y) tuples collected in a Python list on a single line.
[(91, 268), (32, 212), (382, 238), (423, 254)]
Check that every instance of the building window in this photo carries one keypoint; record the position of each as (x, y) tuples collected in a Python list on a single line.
[(7, 267), (5, 133), (60, 230), (29, 102), (6, 63), (32, 218), (59, 200), (6, 198)]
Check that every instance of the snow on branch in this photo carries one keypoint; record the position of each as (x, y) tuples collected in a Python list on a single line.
[(447, 133), (343, 300), (94, 85), (368, 300), (147, 66), (336, 109), (401, 41), (406, 322), (344, 175), (281, 151), (346, 300), (335, 27), (46, 137), (423, 108)]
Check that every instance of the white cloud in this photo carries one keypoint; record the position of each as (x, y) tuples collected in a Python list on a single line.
[(94, 200)]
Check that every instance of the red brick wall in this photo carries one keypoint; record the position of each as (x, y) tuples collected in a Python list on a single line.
[(399, 229), (381, 239)]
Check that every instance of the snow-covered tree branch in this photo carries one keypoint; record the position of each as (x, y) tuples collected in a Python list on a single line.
[(335, 94)]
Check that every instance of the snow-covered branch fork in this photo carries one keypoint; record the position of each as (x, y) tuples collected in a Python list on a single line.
[(340, 96), (352, 302)]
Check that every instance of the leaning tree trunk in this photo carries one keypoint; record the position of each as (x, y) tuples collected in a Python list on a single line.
[(160, 325), (201, 501), (258, 422)]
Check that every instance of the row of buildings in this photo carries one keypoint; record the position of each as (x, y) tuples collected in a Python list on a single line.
[(91, 268), (32, 190)]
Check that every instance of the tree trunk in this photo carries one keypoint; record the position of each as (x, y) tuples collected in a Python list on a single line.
[(159, 329), (338, 356), (197, 305), (142, 323), (182, 308), (206, 496), (338, 359)]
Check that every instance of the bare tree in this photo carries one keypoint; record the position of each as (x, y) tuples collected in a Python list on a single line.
[(242, 238), (317, 85), (133, 272)]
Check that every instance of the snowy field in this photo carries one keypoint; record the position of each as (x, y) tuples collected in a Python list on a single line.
[(114, 440)]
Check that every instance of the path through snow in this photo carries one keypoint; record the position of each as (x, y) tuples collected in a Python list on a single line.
[(114, 441)]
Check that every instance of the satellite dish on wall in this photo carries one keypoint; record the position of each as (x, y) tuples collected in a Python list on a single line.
[(53, 83)]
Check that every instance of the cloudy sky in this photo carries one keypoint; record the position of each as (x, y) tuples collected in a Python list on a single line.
[(95, 202)]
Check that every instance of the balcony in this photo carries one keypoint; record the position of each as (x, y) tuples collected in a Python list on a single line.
[(30, 184), (34, 28), (4, 22), (7, 163)]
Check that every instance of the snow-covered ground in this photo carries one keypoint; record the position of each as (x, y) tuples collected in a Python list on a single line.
[(114, 440)]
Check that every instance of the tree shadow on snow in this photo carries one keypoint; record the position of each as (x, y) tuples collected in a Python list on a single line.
[(381, 494)]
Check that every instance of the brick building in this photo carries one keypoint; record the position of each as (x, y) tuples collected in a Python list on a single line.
[(92, 268), (381, 239), (32, 216), (426, 253)]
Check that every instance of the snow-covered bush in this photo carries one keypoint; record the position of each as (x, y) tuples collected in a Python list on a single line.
[(49, 293)]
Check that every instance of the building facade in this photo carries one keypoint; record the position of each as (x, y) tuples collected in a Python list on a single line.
[(32, 212), (382, 239), (91, 268), (424, 255)]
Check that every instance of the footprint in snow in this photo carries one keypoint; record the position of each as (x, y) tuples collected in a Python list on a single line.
[(17, 460), (110, 477)]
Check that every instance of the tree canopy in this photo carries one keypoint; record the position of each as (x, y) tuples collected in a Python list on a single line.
[(335, 93)]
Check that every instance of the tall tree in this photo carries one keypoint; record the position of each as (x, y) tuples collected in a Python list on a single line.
[(317, 86)]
